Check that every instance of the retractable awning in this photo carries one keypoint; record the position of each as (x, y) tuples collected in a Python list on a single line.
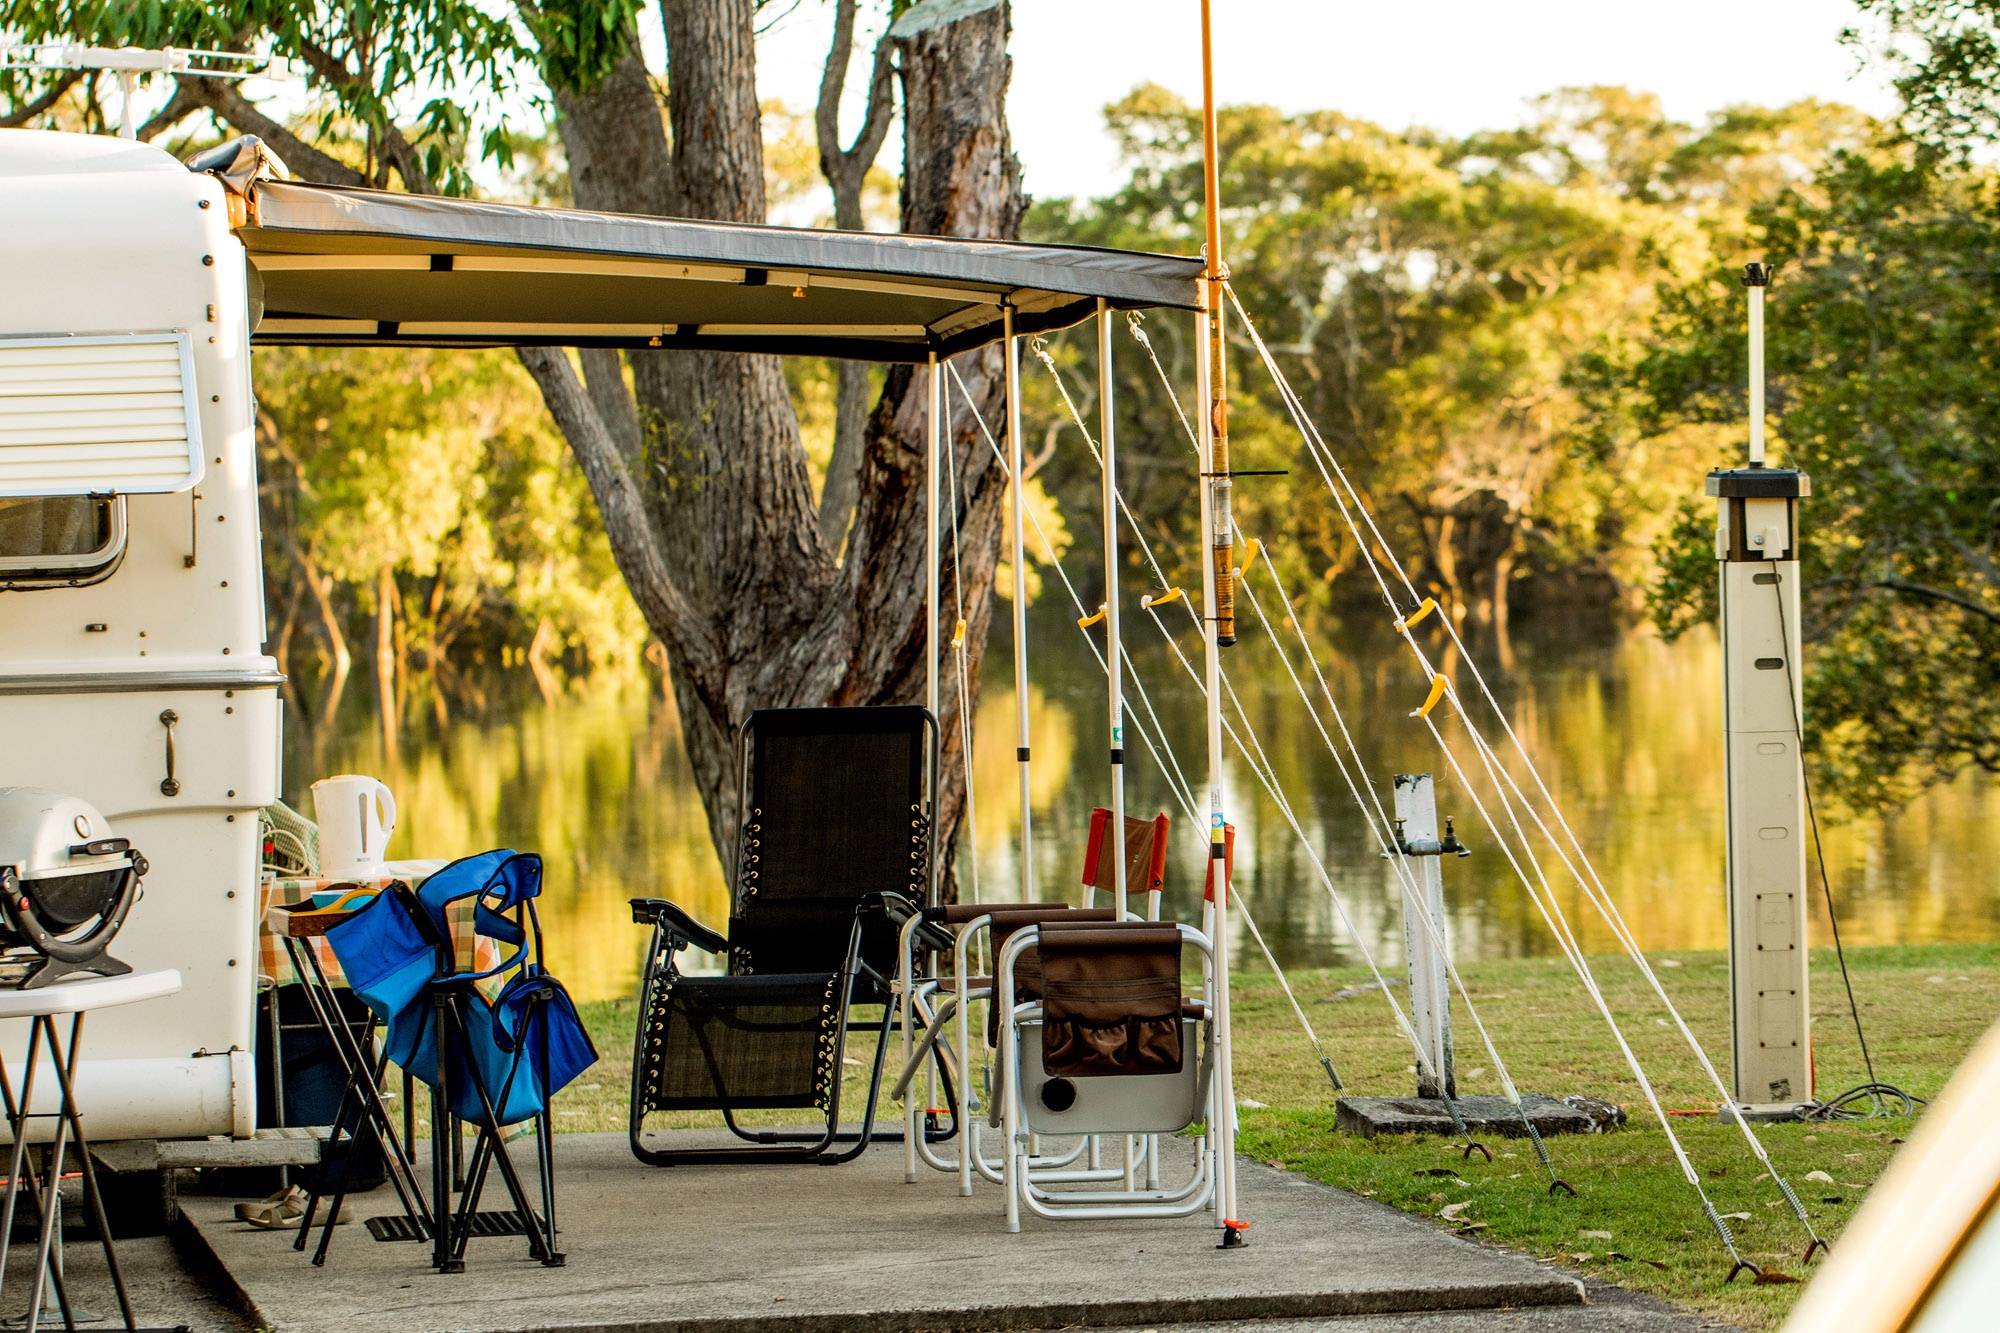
[(352, 266)]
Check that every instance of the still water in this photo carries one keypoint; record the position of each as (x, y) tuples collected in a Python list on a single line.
[(1625, 729)]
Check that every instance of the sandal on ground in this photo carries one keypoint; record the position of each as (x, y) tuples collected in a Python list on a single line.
[(290, 1195)]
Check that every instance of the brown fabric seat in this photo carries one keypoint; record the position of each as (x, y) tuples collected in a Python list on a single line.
[(1028, 967), (1111, 998)]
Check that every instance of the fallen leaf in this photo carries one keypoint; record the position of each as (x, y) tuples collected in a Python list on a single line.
[(1719, 1171), (1736, 1217), (1821, 1176), (1467, 1228), (1851, 1156), (1252, 1104), (1670, 962), (1581, 1256), (1476, 1073), (1935, 981), (1594, 1235), (1451, 1211), (1812, 1138), (1832, 1198), (1767, 1175), (1655, 1263), (1437, 1171), (1771, 1277), (1439, 1198), (1620, 1257)]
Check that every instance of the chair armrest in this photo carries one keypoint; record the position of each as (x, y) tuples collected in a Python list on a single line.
[(678, 924), (900, 909)]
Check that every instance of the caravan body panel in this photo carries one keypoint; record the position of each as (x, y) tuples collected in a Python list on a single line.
[(104, 239)]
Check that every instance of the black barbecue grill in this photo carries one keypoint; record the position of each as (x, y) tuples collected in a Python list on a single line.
[(66, 885)]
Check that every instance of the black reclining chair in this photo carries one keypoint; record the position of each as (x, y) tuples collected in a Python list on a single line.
[(838, 806)]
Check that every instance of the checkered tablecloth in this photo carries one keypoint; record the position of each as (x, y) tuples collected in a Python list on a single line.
[(475, 952)]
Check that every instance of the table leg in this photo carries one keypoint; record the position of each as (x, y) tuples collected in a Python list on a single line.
[(93, 1199)]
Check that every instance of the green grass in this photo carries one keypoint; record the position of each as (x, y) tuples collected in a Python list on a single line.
[(1924, 1007)]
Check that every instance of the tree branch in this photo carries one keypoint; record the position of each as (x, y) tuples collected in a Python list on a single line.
[(846, 170), (623, 510), (22, 115), (304, 160), (178, 108), (1958, 600)]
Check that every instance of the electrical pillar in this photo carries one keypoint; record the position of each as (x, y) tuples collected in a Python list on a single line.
[(1423, 852), (1757, 543)]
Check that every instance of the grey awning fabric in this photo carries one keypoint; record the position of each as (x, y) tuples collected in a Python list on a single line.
[(350, 266)]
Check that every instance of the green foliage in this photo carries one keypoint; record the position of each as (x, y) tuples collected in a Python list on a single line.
[(1881, 354), (1683, 594), (442, 468), (437, 73), (1946, 58), (1451, 312)]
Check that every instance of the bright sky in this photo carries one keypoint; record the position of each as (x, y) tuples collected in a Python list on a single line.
[(1454, 65)]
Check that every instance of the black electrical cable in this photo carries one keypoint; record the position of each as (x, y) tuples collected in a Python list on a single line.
[(1876, 1093)]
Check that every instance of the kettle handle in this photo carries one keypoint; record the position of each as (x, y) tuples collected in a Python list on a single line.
[(388, 801)]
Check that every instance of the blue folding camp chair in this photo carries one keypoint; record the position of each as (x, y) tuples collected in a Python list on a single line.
[(491, 1062)]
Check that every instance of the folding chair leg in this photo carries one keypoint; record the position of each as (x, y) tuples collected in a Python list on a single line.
[(862, 1139)]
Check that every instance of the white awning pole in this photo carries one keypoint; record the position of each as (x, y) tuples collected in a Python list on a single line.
[(933, 476), (1012, 349), (1107, 438), (1225, 1092)]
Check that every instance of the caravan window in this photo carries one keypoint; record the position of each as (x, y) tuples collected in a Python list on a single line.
[(60, 540)]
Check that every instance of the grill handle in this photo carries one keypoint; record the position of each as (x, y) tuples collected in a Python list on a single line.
[(170, 785)]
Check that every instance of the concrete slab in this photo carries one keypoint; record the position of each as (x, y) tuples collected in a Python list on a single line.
[(1369, 1116), (784, 1249)]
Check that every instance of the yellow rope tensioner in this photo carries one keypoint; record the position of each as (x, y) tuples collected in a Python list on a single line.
[(1085, 622), (958, 637), (1251, 550), (1170, 595), (1414, 618), (1438, 686)]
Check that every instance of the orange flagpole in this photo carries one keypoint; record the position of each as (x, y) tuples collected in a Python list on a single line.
[(1222, 534)]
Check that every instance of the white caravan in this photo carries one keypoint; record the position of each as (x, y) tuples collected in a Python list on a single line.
[(132, 666)]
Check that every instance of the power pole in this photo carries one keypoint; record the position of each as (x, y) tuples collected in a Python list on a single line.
[(1757, 545)]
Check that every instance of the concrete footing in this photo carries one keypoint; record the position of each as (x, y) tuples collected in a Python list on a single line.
[(1369, 1116)]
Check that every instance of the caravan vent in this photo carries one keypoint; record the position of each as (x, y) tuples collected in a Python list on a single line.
[(98, 415)]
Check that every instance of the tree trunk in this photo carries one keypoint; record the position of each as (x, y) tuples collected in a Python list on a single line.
[(385, 661), (754, 613), (321, 587), (843, 466)]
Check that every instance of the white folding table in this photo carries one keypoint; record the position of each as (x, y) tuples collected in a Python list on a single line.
[(41, 1008)]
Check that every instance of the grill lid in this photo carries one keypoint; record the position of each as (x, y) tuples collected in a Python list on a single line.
[(47, 835)]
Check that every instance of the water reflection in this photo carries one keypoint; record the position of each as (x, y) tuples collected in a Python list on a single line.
[(1626, 730)]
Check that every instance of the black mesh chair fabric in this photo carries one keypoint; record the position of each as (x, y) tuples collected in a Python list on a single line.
[(836, 815), (713, 1043), (837, 800)]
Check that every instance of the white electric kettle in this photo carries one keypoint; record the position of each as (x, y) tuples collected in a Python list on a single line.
[(356, 815)]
